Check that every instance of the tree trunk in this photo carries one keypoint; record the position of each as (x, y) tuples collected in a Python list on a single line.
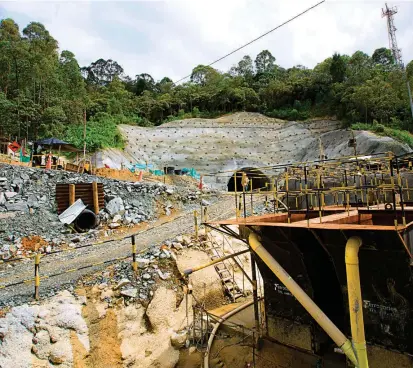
[(16, 74)]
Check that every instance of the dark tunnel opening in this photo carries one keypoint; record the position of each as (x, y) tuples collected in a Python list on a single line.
[(256, 178)]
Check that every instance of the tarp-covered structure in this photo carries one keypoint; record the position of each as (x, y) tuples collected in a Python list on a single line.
[(55, 143)]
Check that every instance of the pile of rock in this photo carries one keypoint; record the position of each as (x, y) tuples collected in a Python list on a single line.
[(122, 282), (27, 205)]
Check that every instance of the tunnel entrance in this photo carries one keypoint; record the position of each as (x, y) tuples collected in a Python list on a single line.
[(255, 176)]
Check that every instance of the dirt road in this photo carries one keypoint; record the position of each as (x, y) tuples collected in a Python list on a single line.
[(62, 262)]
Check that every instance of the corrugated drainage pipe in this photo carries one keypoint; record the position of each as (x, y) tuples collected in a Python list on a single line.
[(216, 326), (85, 221), (325, 323), (354, 300)]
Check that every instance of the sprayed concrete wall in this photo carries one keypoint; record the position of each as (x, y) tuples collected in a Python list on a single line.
[(245, 140)]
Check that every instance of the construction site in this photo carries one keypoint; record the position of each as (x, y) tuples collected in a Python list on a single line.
[(233, 241), (302, 264)]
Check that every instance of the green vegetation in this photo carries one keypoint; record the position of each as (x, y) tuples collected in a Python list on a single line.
[(44, 92), (101, 132), (400, 135)]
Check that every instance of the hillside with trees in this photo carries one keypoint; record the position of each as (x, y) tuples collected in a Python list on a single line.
[(44, 92)]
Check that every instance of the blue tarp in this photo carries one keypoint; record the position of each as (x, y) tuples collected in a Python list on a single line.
[(191, 172), (151, 167), (157, 172), (139, 167)]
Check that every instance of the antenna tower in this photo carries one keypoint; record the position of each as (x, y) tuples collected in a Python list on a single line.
[(397, 54), (389, 12)]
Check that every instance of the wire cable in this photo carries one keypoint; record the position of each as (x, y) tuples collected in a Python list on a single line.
[(258, 38)]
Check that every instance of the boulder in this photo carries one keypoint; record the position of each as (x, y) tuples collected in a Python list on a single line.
[(115, 206), (25, 177), (121, 283), (163, 275), (177, 245), (57, 357), (205, 203), (186, 240), (142, 262), (10, 195), (178, 339), (146, 276), (131, 293), (17, 207), (32, 202), (2, 199), (191, 350), (117, 218)]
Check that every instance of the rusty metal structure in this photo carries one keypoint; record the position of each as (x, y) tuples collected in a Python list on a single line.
[(335, 257)]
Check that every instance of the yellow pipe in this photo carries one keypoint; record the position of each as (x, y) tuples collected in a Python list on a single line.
[(218, 260), (325, 323), (354, 299)]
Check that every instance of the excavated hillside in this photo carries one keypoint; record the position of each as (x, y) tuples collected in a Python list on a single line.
[(242, 140)]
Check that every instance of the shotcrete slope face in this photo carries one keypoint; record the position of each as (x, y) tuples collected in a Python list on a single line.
[(245, 140)]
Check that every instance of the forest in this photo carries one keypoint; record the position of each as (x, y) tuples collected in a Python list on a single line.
[(44, 92)]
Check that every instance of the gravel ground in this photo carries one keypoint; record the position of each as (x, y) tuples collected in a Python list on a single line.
[(60, 262)]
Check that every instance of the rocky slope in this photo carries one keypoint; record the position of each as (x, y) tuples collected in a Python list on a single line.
[(242, 140), (28, 212), (116, 317)]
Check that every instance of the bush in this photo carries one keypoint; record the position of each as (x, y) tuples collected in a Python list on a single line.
[(288, 114), (362, 126), (101, 132), (379, 128), (402, 136), (196, 113)]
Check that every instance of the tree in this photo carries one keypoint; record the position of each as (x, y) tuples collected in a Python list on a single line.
[(53, 122), (10, 53), (203, 75), (102, 72), (409, 69), (245, 68), (384, 57), (44, 92), (264, 62), (144, 82), (165, 85), (337, 68), (359, 68), (70, 75), (8, 110), (377, 98)]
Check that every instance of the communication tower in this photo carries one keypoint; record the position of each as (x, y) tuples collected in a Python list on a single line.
[(397, 54)]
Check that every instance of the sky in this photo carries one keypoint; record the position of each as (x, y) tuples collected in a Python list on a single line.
[(169, 38)]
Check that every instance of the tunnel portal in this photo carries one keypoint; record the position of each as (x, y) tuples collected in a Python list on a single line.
[(256, 178)]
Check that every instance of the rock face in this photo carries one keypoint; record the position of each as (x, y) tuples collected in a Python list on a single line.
[(245, 140), (44, 331), (141, 348), (214, 296)]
